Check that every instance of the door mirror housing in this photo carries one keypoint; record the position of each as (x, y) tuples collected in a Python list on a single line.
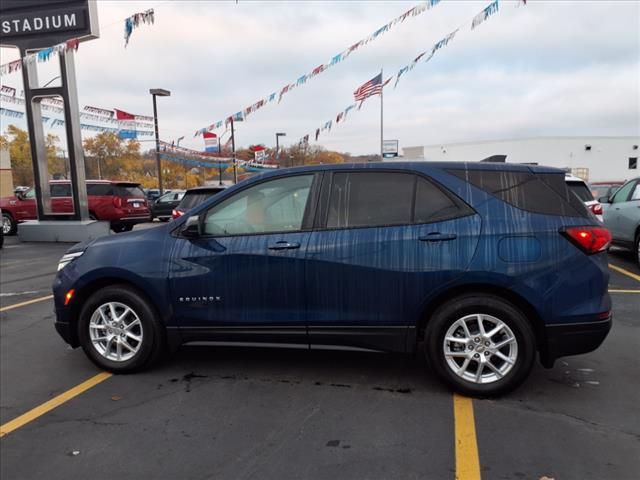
[(192, 227), (604, 199)]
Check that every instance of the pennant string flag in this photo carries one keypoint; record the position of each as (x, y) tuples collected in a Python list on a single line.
[(42, 55), (340, 57), (134, 21), (375, 85)]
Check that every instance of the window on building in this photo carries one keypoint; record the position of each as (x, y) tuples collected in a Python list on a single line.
[(633, 163)]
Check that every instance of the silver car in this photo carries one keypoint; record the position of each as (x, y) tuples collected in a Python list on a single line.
[(622, 216)]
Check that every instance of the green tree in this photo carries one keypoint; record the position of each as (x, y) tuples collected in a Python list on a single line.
[(103, 153)]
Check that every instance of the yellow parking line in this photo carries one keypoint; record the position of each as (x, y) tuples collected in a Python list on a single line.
[(24, 304), (625, 272), (624, 291), (467, 460), (51, 404)]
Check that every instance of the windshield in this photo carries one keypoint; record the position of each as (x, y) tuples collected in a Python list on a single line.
[(193, 199), (581, 190), (126, 191)]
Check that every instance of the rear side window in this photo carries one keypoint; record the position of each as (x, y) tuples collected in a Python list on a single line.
[(370, 199), (194, 199), (361, 199), (127, 191), (60, 190), (547, 194), (581, 190), (433, 205), (99, 189)]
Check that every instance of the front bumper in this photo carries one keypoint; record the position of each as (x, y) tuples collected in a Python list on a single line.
[(573, 339)]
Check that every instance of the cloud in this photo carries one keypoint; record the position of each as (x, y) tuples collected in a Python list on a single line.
[(550, 68)]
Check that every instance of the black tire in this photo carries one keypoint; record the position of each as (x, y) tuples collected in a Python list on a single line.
[(164, 219), (153, 343), (636, 249), (92, 216), (119, 228), (459, 307), (13, 224)]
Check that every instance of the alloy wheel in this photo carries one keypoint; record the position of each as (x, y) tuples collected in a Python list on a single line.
[(115, 331), (6, 225), (480, 348)]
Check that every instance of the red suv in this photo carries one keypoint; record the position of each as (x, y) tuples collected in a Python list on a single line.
[(123, 204)]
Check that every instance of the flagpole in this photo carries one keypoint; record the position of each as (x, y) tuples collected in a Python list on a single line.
[(381, 117)]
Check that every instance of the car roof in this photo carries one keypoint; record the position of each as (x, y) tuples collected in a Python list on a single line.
[(206, 189), (103, 182)]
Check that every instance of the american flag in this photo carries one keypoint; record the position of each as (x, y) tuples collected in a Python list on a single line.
[(372, 87)]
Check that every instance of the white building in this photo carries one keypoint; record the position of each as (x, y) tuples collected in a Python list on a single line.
[(593, 158)]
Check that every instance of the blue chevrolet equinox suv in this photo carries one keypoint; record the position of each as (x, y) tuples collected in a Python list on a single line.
[(479, 265)]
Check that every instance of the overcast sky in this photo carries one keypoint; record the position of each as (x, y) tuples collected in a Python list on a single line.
[(549, 68)]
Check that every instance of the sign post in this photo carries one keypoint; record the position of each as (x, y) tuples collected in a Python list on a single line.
[(31, 25)]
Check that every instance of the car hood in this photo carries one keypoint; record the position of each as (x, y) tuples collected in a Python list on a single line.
[(120, 239)]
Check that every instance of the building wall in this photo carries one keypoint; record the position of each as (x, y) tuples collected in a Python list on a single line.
[(6, 179), (608, 158)]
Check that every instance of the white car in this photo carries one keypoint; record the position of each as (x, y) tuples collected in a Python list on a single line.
[(582, 190)]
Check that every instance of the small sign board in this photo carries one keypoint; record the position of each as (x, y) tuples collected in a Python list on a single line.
[(390, 148), (34, 24)]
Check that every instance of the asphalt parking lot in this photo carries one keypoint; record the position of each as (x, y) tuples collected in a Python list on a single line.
[(258, 413)]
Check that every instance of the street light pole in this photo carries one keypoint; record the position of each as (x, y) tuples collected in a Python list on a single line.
[(158, 92)]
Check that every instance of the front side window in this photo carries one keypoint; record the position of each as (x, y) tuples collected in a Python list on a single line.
[(623, 193), (273, 206), (363, 199)]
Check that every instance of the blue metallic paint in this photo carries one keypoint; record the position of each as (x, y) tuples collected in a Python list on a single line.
[(376, 281)]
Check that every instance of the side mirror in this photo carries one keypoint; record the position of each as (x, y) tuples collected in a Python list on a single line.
[(19, 195), (604, 199), (192, 227)]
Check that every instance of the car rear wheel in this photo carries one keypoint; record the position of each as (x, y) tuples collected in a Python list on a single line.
[(480, 345), (9, 225), (638, 249), (119, 330)]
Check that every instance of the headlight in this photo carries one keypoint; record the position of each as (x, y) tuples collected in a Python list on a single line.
[(67, 259)]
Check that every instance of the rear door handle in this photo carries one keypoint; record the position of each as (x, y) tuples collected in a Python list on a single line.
[(437, 237), (284, 245)]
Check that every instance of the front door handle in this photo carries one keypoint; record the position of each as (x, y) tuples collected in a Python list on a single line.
[(284, 245), (437, 237)]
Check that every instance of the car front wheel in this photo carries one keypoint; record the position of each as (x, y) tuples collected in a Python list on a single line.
[(119, 331), (480, 345), (9, 225)]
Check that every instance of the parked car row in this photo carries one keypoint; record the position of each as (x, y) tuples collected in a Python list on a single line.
[(622, 216), (122, 204)]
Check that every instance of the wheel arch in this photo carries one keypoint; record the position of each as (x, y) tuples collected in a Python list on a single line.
[(82, 294), (530, 313)]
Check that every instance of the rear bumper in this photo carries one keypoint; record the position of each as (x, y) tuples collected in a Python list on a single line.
[(573, 339), (133, 219)]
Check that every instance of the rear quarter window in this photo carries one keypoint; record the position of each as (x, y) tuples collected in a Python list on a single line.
[(546, 194)]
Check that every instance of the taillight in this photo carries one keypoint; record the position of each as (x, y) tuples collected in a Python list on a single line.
[(596, 208), (176, 213), (117, 201), (589, 239)]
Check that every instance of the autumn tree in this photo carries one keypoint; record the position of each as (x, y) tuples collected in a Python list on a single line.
[(17, 141)]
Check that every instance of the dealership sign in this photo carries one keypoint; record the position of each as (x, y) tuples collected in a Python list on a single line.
[(32, 24), (390, 148)]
